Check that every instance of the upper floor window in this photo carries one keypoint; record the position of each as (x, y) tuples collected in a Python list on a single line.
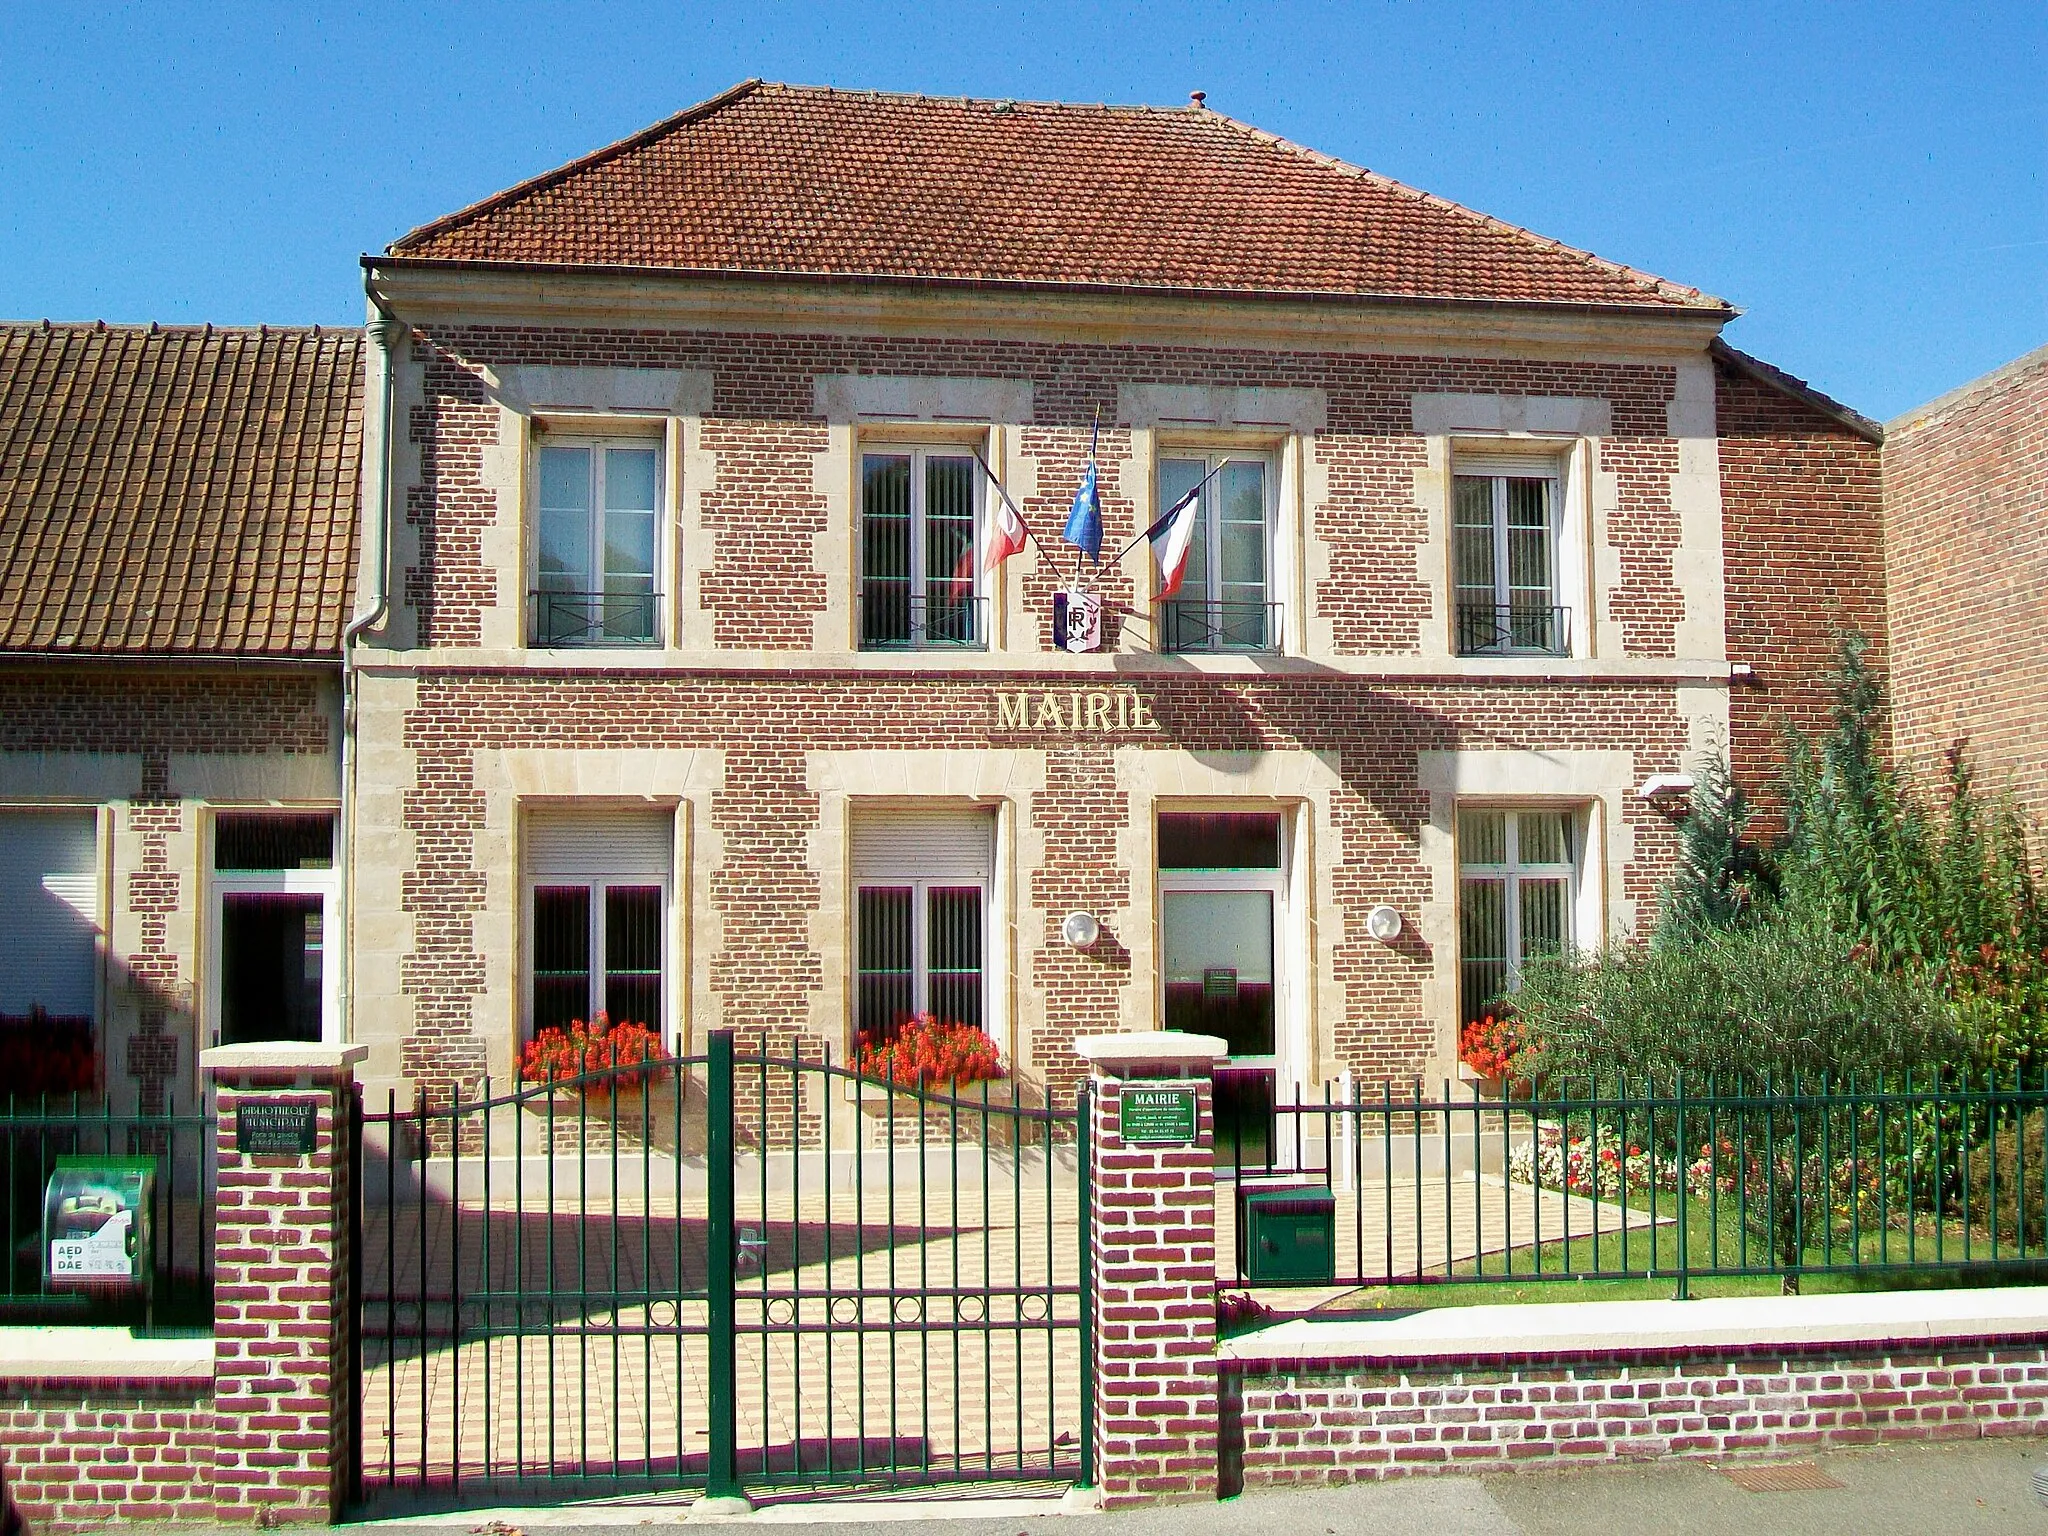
[(1517, 873), (920, 525), (1222, 604), (599, 531), (1505, 552)]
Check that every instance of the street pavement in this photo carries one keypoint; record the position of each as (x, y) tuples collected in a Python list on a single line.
[(1957, 1488)]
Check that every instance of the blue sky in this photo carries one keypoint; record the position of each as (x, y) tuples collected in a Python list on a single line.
[(1869, 183)]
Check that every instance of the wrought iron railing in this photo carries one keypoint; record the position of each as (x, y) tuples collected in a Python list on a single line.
[(34, 1134), (719, 1271), (1681, 1180), (892, 618), (1219, 626), (1498, 629), (594, 618)]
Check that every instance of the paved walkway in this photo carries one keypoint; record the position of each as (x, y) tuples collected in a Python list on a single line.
[(924, 1325)]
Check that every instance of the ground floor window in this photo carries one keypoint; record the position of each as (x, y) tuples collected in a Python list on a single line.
[(921, 917), (273, 880), (1517, 870), (49, 895), (597, 913)]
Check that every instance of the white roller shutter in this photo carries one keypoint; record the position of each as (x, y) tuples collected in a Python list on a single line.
[(593, 844), (1536, 466), (896, 844), (49, 893)]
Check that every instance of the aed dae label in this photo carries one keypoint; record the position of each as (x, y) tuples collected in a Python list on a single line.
[(1159, 1115)]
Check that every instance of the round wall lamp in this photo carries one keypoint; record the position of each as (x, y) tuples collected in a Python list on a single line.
[(1384, 924), (1080, 929)]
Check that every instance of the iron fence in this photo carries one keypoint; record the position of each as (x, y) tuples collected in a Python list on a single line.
[(1919, 1176), (34, 1134), (718, 1271), (1497, 628)]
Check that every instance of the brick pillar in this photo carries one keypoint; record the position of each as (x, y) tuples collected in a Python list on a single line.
[(283, 1380), (1153, 1249)]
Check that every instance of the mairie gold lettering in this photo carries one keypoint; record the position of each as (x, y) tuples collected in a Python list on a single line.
[(1102, 710)]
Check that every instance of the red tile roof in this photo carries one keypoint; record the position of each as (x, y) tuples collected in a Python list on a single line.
[(802, 180), (177, 491)]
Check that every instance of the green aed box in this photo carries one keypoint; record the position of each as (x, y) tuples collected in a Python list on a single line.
[(1287, 1235)]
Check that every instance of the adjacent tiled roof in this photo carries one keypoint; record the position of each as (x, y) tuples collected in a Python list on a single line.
[(1778, 379), (177, 490), (803, 180)]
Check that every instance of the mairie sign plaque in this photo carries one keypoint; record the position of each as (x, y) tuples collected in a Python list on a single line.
[(1159, 1115)]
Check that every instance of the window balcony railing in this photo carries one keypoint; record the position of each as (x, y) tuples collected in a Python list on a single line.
[(594, 618), (1219, 626), (891, 618), (1512, 629)]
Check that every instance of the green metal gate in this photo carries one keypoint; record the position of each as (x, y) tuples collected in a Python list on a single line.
[(719, 1273)]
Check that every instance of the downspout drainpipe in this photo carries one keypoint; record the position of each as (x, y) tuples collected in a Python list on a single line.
[(384, 331)]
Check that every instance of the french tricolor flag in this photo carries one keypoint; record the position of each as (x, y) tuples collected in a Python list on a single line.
[(1170, 538), (1006, 535)]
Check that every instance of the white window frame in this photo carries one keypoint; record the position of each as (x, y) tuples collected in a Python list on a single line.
[(601, 441), (1210, 531), (1499, 469), (324, 883), (920, 452), (597, 886), (1512, 871)]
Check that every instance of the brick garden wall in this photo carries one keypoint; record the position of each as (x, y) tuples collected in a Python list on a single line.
[(1802, 498), (1966, 503), (1328, 1422), (79, 1457)]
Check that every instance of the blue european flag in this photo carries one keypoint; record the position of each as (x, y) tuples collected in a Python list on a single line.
[(1084, 518)]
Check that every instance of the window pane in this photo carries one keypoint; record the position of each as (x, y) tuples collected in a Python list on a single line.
[(1482, 837), (1543, 916), (1240, 492), (885, 548), (561, 955), (1219, 840), (1482, 944), (629, 480), (953, 945), (949, 548), (1218, 967), (564, 554), (1176, 478), (268, 841), (884, 980), (632, 954), (1545, 837), (1529, 551)]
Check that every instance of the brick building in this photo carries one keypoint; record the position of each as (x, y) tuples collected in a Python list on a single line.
[(1966, 544), (177, 550), (682, 690)]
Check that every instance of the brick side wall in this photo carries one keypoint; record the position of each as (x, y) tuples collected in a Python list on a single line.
[(159, 714), (77, 1459), (1331, 1423), (1801, 496), (1966, 502)]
